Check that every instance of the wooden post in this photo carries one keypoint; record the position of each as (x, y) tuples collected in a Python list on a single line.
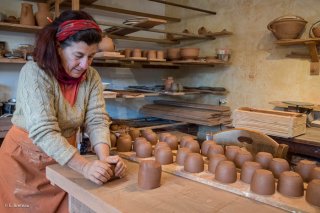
[(314, 64), (75, 5)]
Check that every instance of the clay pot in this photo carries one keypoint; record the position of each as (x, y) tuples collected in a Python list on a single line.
[(151, 54), (26, 16), (181, 155), (248, 169), (124, 143), (143, 150), (159, 145), (106, 45), (149, 176), (127, 52), (193, 145), (313, 192), (173, 54), (152, 138), (304, 168), (114, 127), (172, 141), (137, 141), (42, 14), (205, 146), (214, 160), (263, 182), (168, 83), (315, 173), (231, 152), (189, 53), (160, 54), (164, 155), (113, 139), (184, 139), (215, 149), (145, 132), (278, 165), (134, 133), (226, 172), (264, 158), (241, 157), (136, 53), (290, 184), (163, 135), (194, 163)]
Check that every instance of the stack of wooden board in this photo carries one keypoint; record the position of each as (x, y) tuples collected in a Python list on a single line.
[(203, 114), (270, 122)]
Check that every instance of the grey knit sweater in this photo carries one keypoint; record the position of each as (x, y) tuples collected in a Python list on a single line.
[(43, 111)]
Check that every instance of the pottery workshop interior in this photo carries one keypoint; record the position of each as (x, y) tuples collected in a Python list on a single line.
[(208, 105)]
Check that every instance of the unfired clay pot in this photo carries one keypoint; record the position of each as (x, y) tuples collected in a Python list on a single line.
[(160, 54), (184, 139), (159, 145), (124, 143), (241, 157), (181, 155), (136, 53), (215, 149), (149, 176), (315, 173), (172, 141), (248, 169), (151, 54), (214, 160), (263, 182), (26, 16), (143, 150), (226, 172), (290, 184), (134, 133), (313, 192), (194, 163), (164, 155), (152, 137), (205, 146), (278, 165), (304, 168), (137, 141), (264, 158), (173, 53), (193, 145), (144, 132), (231, 152), (189, 53), (113, 139), (163, 135), (42, 14)]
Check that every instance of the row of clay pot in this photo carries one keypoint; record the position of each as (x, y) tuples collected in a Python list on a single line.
[(40, 18), (149, 54)]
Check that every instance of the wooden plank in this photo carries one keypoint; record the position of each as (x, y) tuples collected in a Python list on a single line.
[(19, 27), (13, 61), (135, 38), (193, 105), (296, 41)]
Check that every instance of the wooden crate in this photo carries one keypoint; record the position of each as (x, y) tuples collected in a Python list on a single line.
[(270, 122)]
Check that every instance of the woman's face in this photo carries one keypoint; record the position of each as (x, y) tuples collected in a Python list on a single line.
[(77, 58)]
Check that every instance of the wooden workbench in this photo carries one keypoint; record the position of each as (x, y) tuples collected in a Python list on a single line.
[(175, 194)]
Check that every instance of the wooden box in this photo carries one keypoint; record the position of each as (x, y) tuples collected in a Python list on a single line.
[(270, 122)]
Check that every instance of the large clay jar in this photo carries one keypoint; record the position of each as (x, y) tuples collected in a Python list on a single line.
[(304, 168), (241, 157), (164, 155), (263, 182), (215, 149), (214, 160), (313, 192), (315, 173), (181, 155), (26, 16), (106, 45), (149, 176), (264, 158), (247, 171), (124, 143), (134, 133), (137, 141), (278, 165), (231, 152), (184, 139), (205, 146), (172, 141), (193, 145), (42, 14), (290, 184), (194, 163), (226, 172)]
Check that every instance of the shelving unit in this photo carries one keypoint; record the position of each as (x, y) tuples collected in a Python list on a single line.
[(18, 27)]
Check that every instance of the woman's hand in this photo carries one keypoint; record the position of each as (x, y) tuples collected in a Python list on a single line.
[(120, 169), (97, 171)]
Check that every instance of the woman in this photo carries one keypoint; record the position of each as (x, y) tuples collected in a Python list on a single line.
[(57, 94)]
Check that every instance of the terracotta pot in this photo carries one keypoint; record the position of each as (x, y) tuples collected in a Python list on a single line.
[(241, 157), (231, 152), (264, 158), (137, 141), (134, 133), (160, 145), (290, 184), (124, 143), (181, 155), (247, 171), (160, 54), (149, 176), (173, 54), (184, 139), (172, 141), (193, 145), (26, 16), (226, 172), (315, 173), (152, 137), (164, 155), (278, 165), (143, 150), (194, 163), (205, 146), (215, 149), (127, 52), (189, 53), (304, 168), (313, 192), (151, 54), (263, 182), (163, 135), (214, 160), (106, 45), (113, 139), (42, 14), (136, 53)]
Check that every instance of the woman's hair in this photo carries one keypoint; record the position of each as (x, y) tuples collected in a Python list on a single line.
[(46, 47)]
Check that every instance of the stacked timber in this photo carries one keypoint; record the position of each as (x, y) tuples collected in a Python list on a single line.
[(270, 122), (202, 114)]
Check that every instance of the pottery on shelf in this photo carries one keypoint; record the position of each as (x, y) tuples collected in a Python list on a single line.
[(263, 182), (26, 15), (231, 152), (151, 54), (184, 139), (181, 155), (43, 14), (124, 143), (172, 141), (173, 53), (215, 149), (143, 150), (136, 53), (264, 158), (194, 163), (304, 168), (241, 157), (278, 165), (127, 52), (290, 184), (205, 146), (164, 155), (248, 169), (189, 53), (214, 160), (160, 54), (226, 172), (193, 145), (315, 173), (149, 175), (313, 192)]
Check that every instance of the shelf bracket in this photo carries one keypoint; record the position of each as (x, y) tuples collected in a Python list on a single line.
[(314, 64)]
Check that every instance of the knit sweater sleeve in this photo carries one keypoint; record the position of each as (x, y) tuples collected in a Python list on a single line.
[(35, 93)]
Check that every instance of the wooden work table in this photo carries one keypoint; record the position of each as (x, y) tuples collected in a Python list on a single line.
[(176, 194)]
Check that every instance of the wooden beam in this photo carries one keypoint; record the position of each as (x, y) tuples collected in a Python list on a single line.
[(75, 5), (314, 64), (184, 6), (133, 38)]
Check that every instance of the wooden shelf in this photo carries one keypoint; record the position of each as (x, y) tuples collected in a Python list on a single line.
[(12, 61), (19, 27)]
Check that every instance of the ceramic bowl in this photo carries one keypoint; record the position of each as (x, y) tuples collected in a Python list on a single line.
[(143, 150), (215, 149), (205, 146), (315, 173), (231, 152), (173, 53), (164, 155)]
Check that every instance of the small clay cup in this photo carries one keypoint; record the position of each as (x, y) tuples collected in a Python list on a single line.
[(127, 53), (145, 132), (313, 192), (152, 137), (143, 150), (184, 139), (241, 157), (194, 163), (160, 54), (290, 184), (214, 160), (193, 145), (226, 172), (248, 169), (315, 173), (163, 135), (136, 53), (264, 158), (149, 176), (172, 141), (151, 54), (263, 182), (181, 155), (205, 146), (304, 168), (164, 155), (215, 149), (137, 141), (134, 133), (159, 145), (231, 152), (124, 143), (278, 165)]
